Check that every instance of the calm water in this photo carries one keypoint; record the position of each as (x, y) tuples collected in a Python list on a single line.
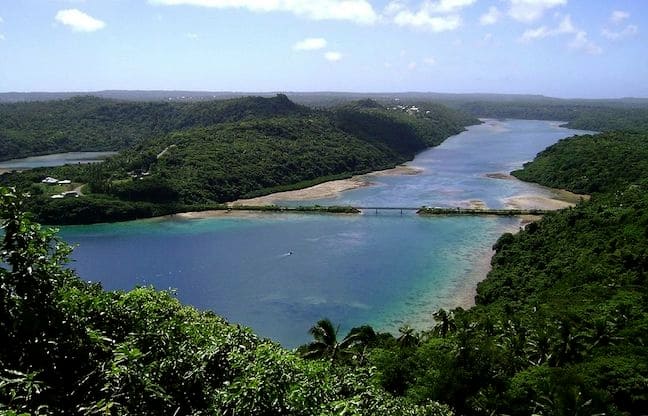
[(55, 159), (383, 269)]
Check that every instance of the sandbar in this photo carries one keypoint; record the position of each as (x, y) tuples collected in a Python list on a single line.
[(216, 213), (328, 189), (466, 291), (397, 171), (558, 199), (474, 204), (322, 190), (500, 175)]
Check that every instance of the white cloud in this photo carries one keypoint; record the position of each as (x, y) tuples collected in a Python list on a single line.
[(2, 37), (1, 19), (333, 56), (581, 42), (411, 66), (491, 17), (628, 31), (446, 6), (528, 11), (358, 11), (619, 16), (78, 21), (423, 20), (310, 44), (432, 16), (192, 36), (565, 27), (537, 33), (430, 61)]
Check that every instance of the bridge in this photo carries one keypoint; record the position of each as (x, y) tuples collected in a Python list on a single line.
[(424, 211)]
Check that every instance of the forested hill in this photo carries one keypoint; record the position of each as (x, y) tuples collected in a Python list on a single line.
[(241, 148), (591, 163), (577, 114), (561, 320), (96, 124), (67, 347)]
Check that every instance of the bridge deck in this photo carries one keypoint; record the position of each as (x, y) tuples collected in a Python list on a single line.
[(418, 210)]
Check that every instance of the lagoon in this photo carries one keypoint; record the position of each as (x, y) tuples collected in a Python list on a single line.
[(280, 273), (55, 159)]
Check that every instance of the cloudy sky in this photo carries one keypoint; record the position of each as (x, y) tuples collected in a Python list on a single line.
[(564, 48)]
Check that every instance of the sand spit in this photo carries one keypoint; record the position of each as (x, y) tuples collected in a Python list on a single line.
[(327, 189), (500, 175), (558, 199)]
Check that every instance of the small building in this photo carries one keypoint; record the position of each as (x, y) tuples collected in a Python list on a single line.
[(49, 180), (57, 196), (70, 194), (65, 182)]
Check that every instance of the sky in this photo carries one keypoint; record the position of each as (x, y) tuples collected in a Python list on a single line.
[(560, 48)]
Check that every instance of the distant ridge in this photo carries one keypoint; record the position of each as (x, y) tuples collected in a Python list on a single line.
[(313, 98)]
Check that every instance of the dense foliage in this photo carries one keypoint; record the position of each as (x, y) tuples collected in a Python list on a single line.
[(93, 124), (561, 320), (68, 347), (248, 147), (587, 164), (578, 115), (559, 328)]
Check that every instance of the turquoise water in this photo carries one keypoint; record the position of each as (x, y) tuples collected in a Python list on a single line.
[(280, 273), (55, 159)]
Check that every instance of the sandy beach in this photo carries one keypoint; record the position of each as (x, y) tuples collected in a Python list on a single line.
[(465, 293), (322, 190), (327, 189), (558, 199), (216, 213), (500, 175)]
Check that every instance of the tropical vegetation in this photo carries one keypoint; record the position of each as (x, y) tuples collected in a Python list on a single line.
[(69, 347), (225, 150)]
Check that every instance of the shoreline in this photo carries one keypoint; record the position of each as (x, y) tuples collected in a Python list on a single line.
[(466, 291), (328, 189), (322, 190), (556, 200)]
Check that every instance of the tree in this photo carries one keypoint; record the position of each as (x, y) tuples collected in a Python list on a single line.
[(445, 322), (408, 337)]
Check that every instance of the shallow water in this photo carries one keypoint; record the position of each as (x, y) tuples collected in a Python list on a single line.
[(55, 159), (280, 273)]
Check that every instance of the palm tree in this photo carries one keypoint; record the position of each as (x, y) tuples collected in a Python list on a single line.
[(408, 337), (445, 323), (324, 342), (358, 340)]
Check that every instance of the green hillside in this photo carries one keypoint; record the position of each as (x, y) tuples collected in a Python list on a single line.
[(560, 322), (583, 115), (68, 347), (95, 124), (244, 147), (587, 164)]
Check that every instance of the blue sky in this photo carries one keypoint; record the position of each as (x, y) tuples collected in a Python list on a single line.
[(564, 48)]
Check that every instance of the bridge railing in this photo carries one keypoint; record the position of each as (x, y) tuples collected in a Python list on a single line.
[(425, 211)]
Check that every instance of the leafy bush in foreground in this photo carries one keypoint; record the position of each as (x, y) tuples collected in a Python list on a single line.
[(69, 347)]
